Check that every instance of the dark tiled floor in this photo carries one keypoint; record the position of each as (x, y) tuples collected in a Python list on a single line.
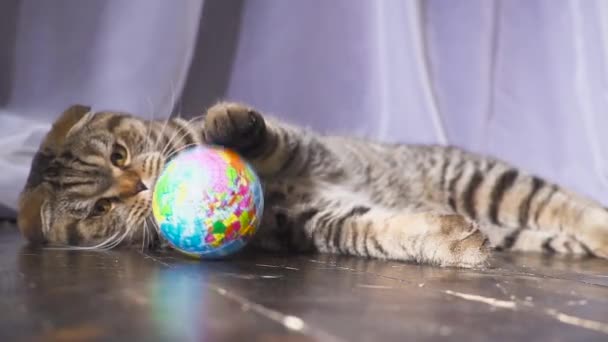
[(129, 295)]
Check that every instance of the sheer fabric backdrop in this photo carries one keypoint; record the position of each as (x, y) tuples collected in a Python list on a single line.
[(525, 80)]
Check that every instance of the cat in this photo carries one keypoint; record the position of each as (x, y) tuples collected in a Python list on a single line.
[(90, 187)]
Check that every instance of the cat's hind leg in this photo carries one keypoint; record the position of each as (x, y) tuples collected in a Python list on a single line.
[(367, 231), (517, 210), (556, 221), (527, 240)]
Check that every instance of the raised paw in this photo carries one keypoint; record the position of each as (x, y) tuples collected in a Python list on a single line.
[(235, 126)]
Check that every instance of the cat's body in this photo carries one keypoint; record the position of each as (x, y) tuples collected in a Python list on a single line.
[(89, 185)]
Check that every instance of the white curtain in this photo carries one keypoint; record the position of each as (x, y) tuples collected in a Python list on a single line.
[(125, 55), (524, 80)]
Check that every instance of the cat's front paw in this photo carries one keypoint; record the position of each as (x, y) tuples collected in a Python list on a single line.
[(448, 240), (461, 243), (234, 125)]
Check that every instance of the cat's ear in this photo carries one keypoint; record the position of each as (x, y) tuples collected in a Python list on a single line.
[(71, 120), (36, 195), (30, 216)]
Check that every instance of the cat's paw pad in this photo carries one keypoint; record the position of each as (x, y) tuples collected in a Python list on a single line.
[(445, 240), (461, 243), (593, 232), (597, 244), (470, 251), (233, 125)]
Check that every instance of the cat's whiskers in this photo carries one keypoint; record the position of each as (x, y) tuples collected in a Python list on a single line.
[(140, 219), (161, 134), (154, 225), (148, 237), (182, 132), (148, 137), (170, 155), (144, 236), (100, 246), (129, 224), (141, 223)]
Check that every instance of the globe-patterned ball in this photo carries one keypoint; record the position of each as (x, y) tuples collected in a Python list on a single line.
[(208, 202)]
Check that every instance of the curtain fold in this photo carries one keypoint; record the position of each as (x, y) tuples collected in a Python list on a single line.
[(124, 55)]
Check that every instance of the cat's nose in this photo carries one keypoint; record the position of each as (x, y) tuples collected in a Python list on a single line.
[(140, 186), (129, 184)]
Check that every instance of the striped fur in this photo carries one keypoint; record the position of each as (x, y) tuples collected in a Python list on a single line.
[(431, 204)]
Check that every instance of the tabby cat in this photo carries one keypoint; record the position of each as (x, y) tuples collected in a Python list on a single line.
[(89, 187)]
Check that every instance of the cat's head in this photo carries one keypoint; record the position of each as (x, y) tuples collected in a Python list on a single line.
[(91, 180)]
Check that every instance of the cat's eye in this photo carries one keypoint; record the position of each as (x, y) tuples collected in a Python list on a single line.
[(101, 207), (119, 155)]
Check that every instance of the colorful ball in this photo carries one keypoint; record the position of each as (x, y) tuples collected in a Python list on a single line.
[(208, 202)]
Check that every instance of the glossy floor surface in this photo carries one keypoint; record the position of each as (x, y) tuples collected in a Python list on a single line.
[(56, 295)]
